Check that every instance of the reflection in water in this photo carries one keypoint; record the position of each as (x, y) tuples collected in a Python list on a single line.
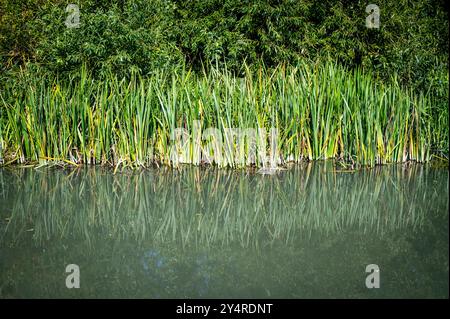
[(305, 232), (195, 206)]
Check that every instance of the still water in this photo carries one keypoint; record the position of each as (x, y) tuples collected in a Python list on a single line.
[(308, 232)]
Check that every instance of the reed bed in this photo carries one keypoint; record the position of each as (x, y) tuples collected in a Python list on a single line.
[(320, 111), (201, 207)]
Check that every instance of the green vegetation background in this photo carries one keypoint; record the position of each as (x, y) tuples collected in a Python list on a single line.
[(122, 36)]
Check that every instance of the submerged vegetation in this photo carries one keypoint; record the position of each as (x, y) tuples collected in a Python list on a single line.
[(320, 111)]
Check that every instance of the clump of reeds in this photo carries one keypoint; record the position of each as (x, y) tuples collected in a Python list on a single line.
[(319, 111)]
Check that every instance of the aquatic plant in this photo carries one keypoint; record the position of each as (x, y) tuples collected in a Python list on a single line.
[(319, 111)]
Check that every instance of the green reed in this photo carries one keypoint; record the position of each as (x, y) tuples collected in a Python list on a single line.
[(320, 111)]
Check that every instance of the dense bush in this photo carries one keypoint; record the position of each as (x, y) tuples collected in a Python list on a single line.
[(112, 36), (125, 34)]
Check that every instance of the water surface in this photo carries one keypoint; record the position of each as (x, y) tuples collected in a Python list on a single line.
[(308, 232)]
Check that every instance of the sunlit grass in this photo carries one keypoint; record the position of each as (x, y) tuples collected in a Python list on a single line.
[(321, 111)]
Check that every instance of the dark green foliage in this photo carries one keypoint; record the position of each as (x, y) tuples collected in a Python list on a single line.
[(113, 36), (123, 34)]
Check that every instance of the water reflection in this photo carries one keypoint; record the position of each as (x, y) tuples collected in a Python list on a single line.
[(207, 206), (199, 232)]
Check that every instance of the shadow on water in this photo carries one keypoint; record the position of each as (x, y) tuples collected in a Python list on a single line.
[(307, 232)]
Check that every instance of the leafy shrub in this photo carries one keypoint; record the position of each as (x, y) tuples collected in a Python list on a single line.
[(122, 35)]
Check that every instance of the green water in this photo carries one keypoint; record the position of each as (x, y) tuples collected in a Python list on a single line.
[(308, 232)]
